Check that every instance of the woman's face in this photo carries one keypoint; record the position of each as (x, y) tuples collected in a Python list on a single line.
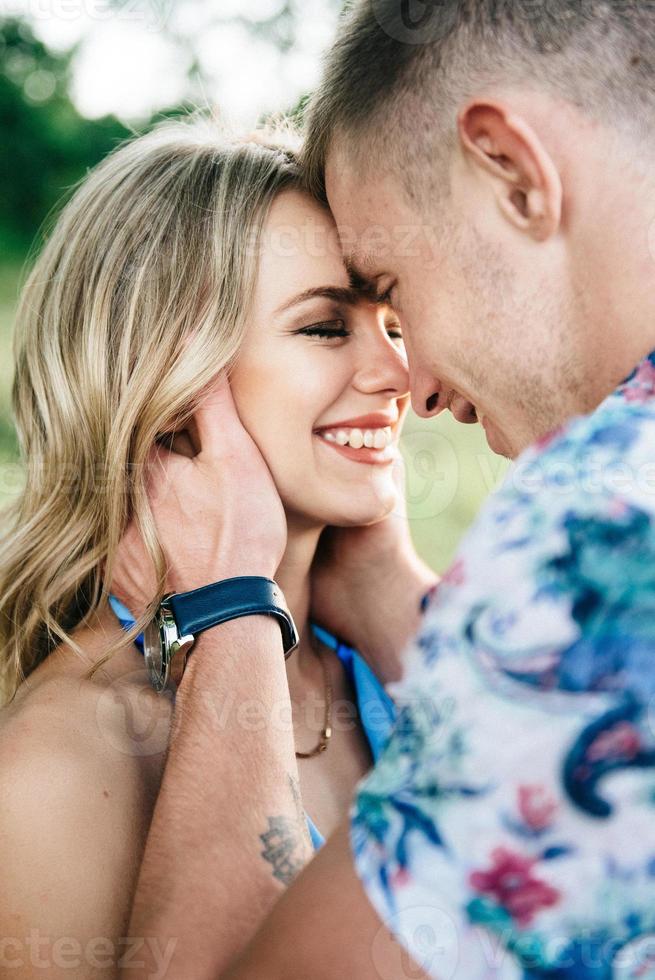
[(318, 359)]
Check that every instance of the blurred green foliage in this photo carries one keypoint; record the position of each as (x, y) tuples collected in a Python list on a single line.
[(46, 145), (9, 275)]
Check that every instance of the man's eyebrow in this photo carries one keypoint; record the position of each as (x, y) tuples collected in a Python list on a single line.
[(365, 286), (346, 295)]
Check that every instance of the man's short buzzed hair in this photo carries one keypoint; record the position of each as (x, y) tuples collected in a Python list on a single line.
[(400, 69)]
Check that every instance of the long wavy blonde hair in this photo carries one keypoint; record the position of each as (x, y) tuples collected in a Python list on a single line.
[(137, 301)]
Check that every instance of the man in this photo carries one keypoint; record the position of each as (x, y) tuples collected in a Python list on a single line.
[(490, 166)]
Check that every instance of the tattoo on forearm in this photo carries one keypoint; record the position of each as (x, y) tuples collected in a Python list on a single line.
[(286, 842)]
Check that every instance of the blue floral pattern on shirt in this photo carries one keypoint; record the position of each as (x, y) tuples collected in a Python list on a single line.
[(508, 830)]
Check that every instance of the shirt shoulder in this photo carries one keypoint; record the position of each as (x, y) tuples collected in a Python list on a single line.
[(524, 748)]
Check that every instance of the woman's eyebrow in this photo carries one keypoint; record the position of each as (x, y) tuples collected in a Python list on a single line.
[(339, 294)]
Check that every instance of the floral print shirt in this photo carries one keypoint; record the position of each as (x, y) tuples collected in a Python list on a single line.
[(508, 829)]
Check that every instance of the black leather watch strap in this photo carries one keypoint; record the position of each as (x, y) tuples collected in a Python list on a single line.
[(232, 598)]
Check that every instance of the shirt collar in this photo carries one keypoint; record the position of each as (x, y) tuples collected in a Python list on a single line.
[(640, 383)]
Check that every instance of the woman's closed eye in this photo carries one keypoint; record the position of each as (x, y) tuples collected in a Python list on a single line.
[(338, 329), (330, 328)]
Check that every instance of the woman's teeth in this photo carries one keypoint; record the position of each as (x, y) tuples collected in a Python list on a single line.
[(356, 438)]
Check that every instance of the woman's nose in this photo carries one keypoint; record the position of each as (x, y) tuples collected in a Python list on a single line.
[(383, 367)]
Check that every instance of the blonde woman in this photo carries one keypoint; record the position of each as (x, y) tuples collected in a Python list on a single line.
[(183, 259)]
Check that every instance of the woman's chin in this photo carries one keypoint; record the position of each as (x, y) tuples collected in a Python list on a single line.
[(376, 511), (356, 505)]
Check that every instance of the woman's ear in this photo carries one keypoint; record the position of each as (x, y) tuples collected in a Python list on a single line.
[(178, 442), (505, 150)]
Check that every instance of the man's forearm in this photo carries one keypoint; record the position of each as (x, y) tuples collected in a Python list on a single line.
[(228, 832), (382, 638), (324, 927)]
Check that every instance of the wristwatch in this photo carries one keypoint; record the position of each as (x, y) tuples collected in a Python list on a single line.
[(169, 637)]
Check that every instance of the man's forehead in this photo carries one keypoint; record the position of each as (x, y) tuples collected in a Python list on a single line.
[(358, 225), (369, 225), (341, 190), (349, 184), (353, 175)]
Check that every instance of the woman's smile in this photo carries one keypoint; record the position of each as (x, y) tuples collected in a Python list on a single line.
[(357, 451), (365, 439)]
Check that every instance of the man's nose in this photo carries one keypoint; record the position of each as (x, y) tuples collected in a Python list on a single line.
[(428, 396)]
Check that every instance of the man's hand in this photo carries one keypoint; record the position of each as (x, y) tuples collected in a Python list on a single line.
[(229, 796), (217, 513), (367, 583)]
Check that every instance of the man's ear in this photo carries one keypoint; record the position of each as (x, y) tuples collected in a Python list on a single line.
[(526, 182)]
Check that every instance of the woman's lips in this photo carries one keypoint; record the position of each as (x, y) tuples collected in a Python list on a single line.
[(374, 457)]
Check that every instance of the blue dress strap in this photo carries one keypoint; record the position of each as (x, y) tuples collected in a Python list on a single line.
[(125, 618), (377, 710)]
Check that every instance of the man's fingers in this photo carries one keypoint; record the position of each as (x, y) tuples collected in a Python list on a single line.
[(217, 424)]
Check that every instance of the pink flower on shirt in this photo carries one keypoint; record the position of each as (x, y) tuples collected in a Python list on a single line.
[(536, 806), (511, 883)]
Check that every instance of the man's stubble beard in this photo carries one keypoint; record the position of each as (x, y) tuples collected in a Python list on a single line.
[(533, 368)]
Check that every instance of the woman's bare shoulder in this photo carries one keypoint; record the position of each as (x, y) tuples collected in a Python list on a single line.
[(80, 767), (112, 723)]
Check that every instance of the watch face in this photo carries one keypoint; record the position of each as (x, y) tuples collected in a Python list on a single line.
[(152, 649)]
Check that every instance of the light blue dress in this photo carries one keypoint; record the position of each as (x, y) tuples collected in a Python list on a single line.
[(377, 711)]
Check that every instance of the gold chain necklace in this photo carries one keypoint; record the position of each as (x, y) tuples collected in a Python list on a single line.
[(326, 734)]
